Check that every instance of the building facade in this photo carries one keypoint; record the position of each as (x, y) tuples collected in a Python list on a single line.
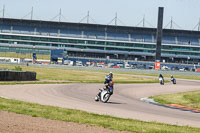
[(98, 41)]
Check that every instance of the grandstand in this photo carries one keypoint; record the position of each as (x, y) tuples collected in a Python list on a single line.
[(97, 40)]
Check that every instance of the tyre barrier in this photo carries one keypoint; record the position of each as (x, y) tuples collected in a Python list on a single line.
[(17, 76)]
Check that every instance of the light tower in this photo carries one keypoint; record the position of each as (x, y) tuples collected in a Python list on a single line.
[(159, 37)]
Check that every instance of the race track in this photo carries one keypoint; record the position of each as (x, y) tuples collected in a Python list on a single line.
[(125, 102)]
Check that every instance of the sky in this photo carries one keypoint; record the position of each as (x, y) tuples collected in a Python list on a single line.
[(184, 13)]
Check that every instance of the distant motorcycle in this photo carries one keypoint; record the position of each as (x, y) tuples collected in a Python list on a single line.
[(161, 81), (103, 95), (173, 80)]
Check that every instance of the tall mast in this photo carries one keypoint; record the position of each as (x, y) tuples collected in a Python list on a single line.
[(60, 15), (32, 13), (116, 19), (3, 11)]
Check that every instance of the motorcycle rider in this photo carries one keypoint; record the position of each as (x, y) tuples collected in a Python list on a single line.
[(173, 79), (110, 87), (107, 79), (111, 75), (109, 83), (160, 76)]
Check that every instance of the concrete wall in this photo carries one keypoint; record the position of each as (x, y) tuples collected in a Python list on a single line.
[(17, 76)]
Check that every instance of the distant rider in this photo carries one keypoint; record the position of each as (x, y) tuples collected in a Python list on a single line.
[(173, 79), (160, 76)]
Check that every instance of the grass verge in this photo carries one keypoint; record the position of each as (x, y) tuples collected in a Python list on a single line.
[(23, 55), (192, 77), (188, 99), (77, 116), (80, 76), (31, 82)]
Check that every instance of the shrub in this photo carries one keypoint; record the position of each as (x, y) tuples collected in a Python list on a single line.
[(17, 68)]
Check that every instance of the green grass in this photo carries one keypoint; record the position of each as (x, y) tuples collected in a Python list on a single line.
[(188, 99), (79, 76), (77, 116), (21, 55), (31, 82), (47, 57), (192, 77)]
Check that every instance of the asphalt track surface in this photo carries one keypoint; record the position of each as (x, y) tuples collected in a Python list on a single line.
[(125, 102)]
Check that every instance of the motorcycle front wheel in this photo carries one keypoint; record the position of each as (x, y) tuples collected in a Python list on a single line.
[(106, 97)]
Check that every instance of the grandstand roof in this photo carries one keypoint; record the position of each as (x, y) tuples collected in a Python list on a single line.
[(95, 27)]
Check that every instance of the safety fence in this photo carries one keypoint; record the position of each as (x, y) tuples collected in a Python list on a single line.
[(17, 75)]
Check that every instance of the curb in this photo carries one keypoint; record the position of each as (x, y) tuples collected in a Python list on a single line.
[(172, 106), (184, 108)]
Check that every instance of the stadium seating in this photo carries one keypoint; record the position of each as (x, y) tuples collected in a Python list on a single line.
[(117, 36), (23, 28), (5, 28), (92, 34), (141, 37), (169, 39), (188, 41), (70, 33)]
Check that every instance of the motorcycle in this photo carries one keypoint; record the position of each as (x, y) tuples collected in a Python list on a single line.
[(103, 95), (173, 80), (161, 81)]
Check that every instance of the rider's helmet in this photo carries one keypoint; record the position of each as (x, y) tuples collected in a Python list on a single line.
[(111, 75)]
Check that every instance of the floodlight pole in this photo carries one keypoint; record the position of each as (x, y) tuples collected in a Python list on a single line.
[(3, 11), (32, 13), (143, 20), (159, 33), (199, 25), (60, 15), (171, 23), (116, 19), (88, 17)]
